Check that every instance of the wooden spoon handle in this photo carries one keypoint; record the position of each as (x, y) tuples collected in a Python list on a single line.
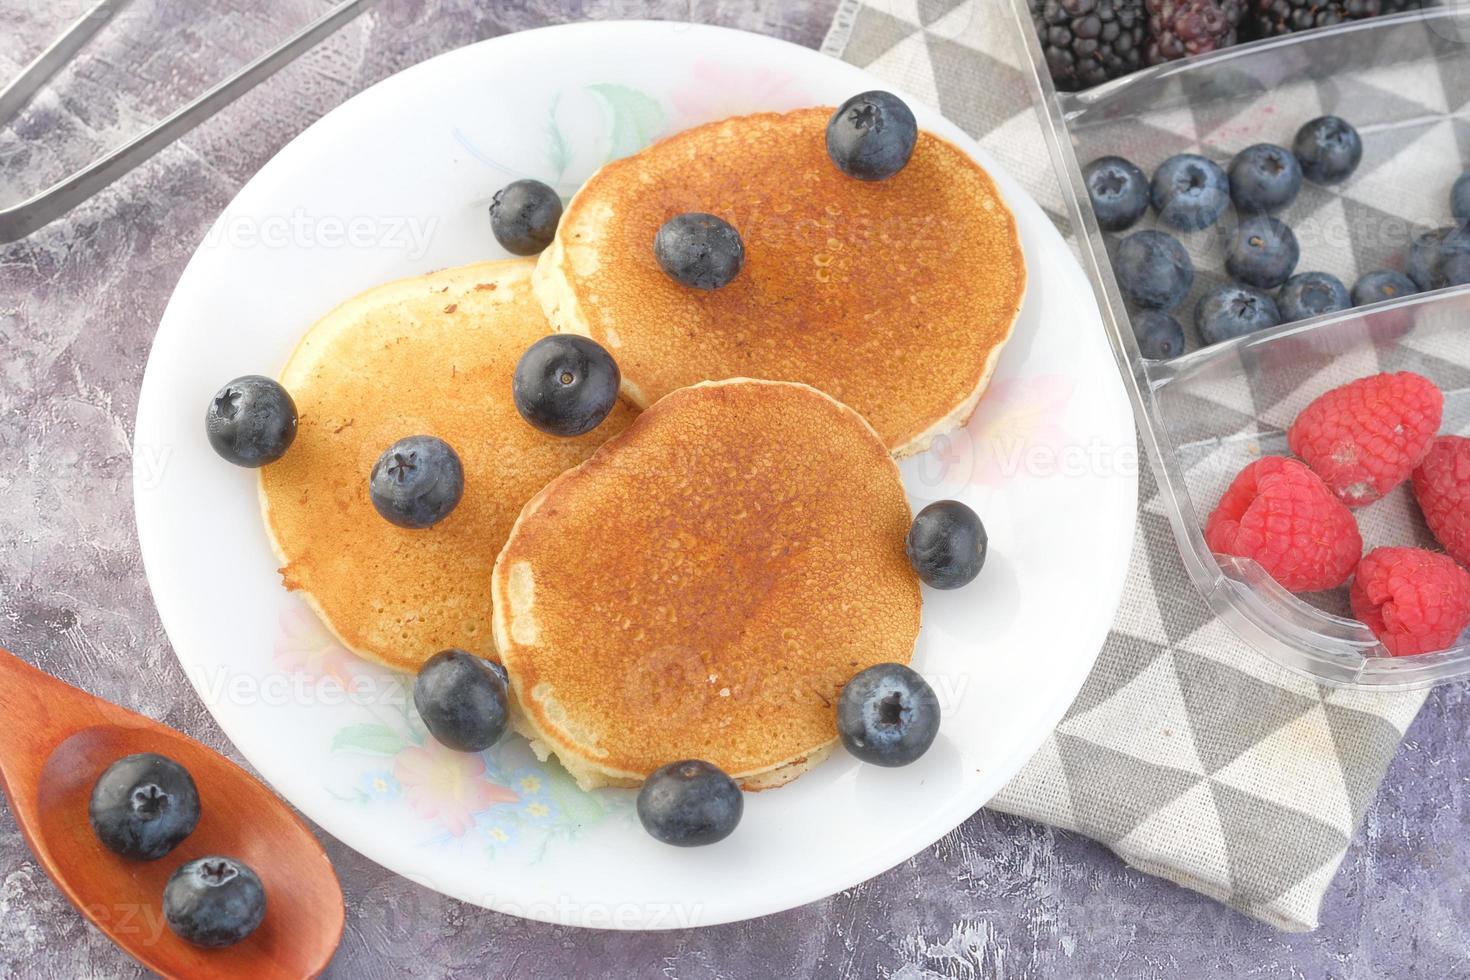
[(40, 711)]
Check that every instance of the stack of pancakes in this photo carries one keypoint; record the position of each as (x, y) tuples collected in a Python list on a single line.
[(698, 580)]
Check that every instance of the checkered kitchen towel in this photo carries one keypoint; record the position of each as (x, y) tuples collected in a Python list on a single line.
[(1187, 753)]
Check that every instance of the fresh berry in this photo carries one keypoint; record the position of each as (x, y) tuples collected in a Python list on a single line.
[(1119, 192), (1414, 601), (565, 385), (1180, 28), (946, 544), (871, 136), (1189, 192), (1088, 42), (462, 700), (1154, 271), (1365, 438), (1329, 149), (1440, 258), (1264, 177), (214, 901), (143, 805), (887, 715), (1460, 198), (251, 421), (1309, 294), (699, 250), (1159, 335), (416, 482), (1280, 515), (1381, 285), (1277, 18), (1262, 252), (524, 216), (1231, 311), (689, 803), (1442, 486)]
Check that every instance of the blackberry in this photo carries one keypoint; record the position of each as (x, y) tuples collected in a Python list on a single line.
[(1180, 28), (1088, 42), (1274, 18)]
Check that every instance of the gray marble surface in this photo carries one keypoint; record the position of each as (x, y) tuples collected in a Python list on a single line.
[(79, 302)]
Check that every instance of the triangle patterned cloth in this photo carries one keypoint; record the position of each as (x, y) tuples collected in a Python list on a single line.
[(1187, 753)]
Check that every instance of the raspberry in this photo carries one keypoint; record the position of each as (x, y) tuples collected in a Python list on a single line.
[(1442, 484), (1414, 601), (1280, 514), (1365, 438)]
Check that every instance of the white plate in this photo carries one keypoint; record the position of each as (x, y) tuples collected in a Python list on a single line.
[(396, 182)]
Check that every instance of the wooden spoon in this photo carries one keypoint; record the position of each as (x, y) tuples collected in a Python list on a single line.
[(54, 743)]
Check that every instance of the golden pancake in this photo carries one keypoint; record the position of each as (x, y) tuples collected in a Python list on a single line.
[(705, 584), (893, 296), (432, 355)]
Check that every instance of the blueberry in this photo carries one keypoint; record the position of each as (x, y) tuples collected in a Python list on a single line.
[(462, 700), (1329, 150), (524, 216), (1264, 177), (214, 901), (1440, 258), (1460, 198), (1262, 252), (1154, 271), (417, 482), (143, 805), (1380, 285), (1119, 192), (565, 385), (689, 804), (1310, 294), (946, 544), (887, 715), (1233, 311), (1190, 192), (251, 421), (871, 136), (699, 250), (1160, 336)]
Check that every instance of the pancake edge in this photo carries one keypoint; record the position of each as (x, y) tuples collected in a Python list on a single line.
[(588, 774)]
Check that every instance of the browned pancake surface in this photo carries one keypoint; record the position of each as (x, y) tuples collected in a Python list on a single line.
[(893, 296), (705, 584)]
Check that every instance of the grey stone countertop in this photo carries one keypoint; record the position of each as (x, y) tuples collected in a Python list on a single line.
[(79, 302)]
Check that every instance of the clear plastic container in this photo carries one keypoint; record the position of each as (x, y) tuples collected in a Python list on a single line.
[(1204, 416)]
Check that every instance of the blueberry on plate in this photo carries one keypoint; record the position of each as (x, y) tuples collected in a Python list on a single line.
[(251, 421), (872, 135), (524, 216), (1159, 335), (689, 804), (1232, 310), (417, 482), (1440, 258), (1154, 271), (1329, 149), (1309, 294), (462, 700), (946, 544), (1189, 192), (1262, 252), (1460, 198), (214, 901), (1119, 192), (143, 805), (699, 250), (887, 715), (1264, 177), (1380, 285), (565, 385)]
